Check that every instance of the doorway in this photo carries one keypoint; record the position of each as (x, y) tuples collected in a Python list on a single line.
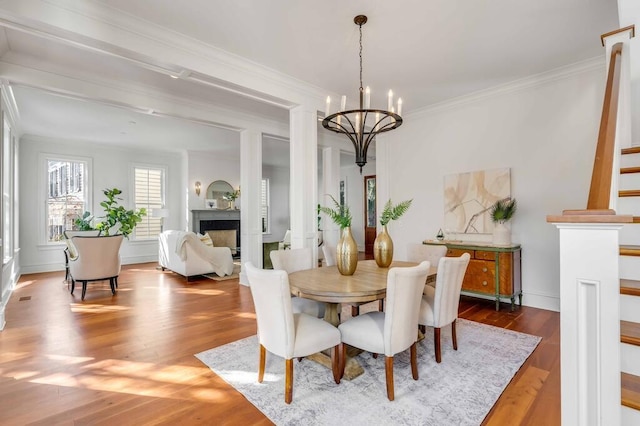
[(370, 216)]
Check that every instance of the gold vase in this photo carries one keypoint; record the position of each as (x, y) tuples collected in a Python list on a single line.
[(383, 248), (347, 253)]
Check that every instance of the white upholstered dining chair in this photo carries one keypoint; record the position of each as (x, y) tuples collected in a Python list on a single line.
[(417, 252), (439, 306), (285, 333), (392, 331), (97, 259), (292, 261)]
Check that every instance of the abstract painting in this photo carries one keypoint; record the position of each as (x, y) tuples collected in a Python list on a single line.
[(468, 198)]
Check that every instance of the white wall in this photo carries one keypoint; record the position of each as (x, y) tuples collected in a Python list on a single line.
[(111, 168), (545, 131), (279, 199), (206, 167)]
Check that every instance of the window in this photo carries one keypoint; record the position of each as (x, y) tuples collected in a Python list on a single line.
[(67, 197), (149, 194), (264, 206)]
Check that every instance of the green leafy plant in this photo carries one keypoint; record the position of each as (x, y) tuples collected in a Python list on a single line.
[(231, 196), (115, 214), (340, 214), (84, 223), (391, 212), (503, 210)]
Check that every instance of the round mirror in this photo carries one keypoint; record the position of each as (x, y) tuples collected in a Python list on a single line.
[(216, 191)]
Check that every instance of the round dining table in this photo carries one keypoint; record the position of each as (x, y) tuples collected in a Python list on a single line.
[(326, 284)]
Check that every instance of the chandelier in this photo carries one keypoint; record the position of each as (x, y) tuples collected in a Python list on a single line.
[(362, 125)]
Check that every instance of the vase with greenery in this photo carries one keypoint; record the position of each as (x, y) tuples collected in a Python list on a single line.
[(383, 245), (115, 214), (347, 250), (231, 197), (501, 212)]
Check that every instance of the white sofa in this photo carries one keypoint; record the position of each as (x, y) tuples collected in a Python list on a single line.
[(184, 253)]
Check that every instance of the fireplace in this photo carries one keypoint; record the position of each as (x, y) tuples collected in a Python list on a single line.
[(216, 220)]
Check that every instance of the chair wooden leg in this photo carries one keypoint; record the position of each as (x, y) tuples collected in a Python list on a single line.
[(84, 289), (381, 305), (343, 358), (115, 280), (436, 342), (355, 311), (113, 285), (288, 381), (336, 363), (422, 328), (73, 285), (414, 361), (261, 363), (454, 337), (374, 355), (388, 369)]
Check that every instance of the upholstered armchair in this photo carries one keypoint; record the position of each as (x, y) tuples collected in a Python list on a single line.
[(420, 252), (97, 259), (70, 250), (439, 305), (285, 333), (392, 331), (292, 261)]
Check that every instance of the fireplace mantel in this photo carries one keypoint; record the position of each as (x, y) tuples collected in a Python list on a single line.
[(212, 214)]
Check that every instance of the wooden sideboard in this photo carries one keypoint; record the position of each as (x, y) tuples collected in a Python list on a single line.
[(493, 270)]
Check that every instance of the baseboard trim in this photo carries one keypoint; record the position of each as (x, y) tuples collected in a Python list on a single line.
[(541, 301)]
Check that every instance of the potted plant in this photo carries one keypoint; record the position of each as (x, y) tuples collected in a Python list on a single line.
[(347, 251), (383, 245), (115, 214), (501, 212), (84, 223)]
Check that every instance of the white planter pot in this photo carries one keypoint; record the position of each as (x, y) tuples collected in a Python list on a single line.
[(501, 235)]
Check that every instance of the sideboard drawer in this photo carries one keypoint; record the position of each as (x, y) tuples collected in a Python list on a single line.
[(480, 276), (485, 255), (458, 252)]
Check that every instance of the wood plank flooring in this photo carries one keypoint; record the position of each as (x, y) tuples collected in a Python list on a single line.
[(128, 359)]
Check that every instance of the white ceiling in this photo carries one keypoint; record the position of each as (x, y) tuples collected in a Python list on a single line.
[(427, 51)]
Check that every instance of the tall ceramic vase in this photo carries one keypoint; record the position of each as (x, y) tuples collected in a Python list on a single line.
[(501, 235), (347, 253), (383, 248)]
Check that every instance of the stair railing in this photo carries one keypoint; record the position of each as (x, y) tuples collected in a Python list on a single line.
[(589, 270)]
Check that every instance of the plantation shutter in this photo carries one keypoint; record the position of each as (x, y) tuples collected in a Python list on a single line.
[(149, 194)]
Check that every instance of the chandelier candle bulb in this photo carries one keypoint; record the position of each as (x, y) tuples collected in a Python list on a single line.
[(327, 108), (399, 106), (343, 103), (390, 101), (367, 98), (358, 123)]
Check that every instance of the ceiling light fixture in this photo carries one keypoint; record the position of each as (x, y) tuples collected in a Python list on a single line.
[(357, 124)]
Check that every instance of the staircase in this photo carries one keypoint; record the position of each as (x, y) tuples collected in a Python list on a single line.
[(629, 203)]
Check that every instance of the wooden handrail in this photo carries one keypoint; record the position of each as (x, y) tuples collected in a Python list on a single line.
[(600, 190)]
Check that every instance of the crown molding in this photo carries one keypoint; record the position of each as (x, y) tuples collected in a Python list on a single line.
[(529, 82), (99, 27)]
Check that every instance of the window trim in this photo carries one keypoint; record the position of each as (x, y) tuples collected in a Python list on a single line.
[(268, 230), (132, 191), (43, 183)]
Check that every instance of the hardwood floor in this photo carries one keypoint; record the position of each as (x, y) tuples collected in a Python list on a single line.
[(128, 359)]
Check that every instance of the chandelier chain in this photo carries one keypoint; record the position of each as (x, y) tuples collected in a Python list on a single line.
[(360, 57)]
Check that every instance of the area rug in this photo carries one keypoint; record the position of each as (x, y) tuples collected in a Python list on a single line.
[(459, 391), (233, 276)]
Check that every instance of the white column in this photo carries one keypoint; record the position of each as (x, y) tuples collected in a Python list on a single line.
[(590, 323), (303, 124), (250, 184), (331, 186)]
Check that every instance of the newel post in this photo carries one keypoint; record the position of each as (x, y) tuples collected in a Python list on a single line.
[(590, 316)]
